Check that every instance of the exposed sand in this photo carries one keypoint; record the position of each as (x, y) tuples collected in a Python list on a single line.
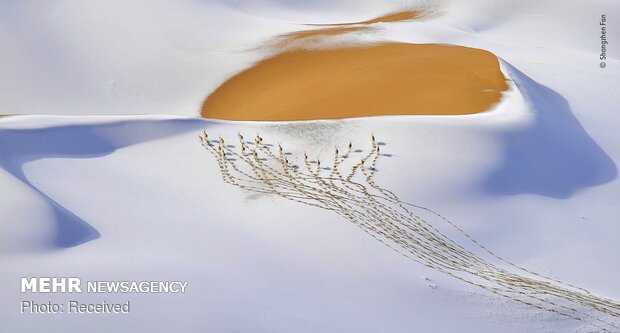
[(384, 79), (392, 17), (334, 31), (316, 35), (371, 80), (313, 39)]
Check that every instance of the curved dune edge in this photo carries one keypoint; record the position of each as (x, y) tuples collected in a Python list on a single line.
[(375, 80)]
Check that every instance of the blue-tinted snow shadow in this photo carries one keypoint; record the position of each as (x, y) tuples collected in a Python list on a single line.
[(20, 146), (554, 156)]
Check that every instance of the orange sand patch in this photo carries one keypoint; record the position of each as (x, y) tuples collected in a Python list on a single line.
[(316, 35), (318, 38), (384, 79), (392, 17), (321, 32)]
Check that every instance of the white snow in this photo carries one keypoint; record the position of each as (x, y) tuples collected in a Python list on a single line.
[(125, 192)]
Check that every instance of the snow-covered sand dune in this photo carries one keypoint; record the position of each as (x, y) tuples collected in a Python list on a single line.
[(75, 140), (553, 155), (347, 187), (107, 197)]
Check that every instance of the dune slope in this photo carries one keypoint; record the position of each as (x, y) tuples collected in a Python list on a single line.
[(384, 79)]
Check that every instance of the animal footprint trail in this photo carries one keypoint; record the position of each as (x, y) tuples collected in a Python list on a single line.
[(348, 189)]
